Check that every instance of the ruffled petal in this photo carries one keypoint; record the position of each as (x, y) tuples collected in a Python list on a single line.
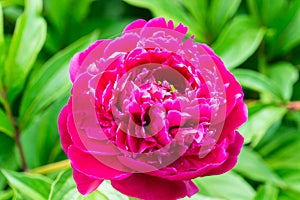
[(65, 138), (153, 188), (233, 150), (85, 184)]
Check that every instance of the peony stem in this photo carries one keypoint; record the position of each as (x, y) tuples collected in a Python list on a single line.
[(46, 169), (293, 105), (15, 127)]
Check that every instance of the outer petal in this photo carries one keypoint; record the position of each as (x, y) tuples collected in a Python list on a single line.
[(88, 164), (135, 26), (79, 58), (233, 149), (85, 184), (153, 188), (65, 138)]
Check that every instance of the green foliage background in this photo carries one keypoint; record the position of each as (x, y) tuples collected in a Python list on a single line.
[(259, 41)]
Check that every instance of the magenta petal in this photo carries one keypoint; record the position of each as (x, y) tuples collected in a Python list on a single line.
[(65, 138), (135, 26), (153, 188), (85, 184), (89, 164), (78, 59), (233, 150)]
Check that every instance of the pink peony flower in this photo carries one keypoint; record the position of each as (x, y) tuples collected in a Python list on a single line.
[(150, 111)]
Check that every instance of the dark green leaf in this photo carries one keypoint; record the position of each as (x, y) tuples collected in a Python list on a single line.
[(267, 192), (33, 186), (238, 41), (225, 186), (258, 82), (251, 165), (260, 122), (28, 39), (51, 81)]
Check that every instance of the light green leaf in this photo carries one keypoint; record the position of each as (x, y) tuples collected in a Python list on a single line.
[(258, 82), (287, 153), (31, 185), (260, 122), (220, 12), (198, 196), (27, 41), (267, 192), (6, 194), (52, 78), (64, 188), (238, 41), (279, 73), (225, 186), (257, 169), (110, 192), (5, 124)]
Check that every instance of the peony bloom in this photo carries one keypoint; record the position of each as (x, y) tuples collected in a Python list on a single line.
[(150, 111)]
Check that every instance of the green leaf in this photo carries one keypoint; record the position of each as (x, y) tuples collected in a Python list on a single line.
[(288, 195), (225, 186), (266, 11), (52, 78), (257, 169), (5, 124), (31, 185), (288, 36), (8, 156), (6, 195), (278, 73), (260, 122), (220, 12), (63, 187), (258, 82), (238, 41), (63, 12), (267, 192), (2, 45), (27, 41)]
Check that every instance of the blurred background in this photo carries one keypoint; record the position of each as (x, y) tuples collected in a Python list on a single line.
[(258, 40)]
